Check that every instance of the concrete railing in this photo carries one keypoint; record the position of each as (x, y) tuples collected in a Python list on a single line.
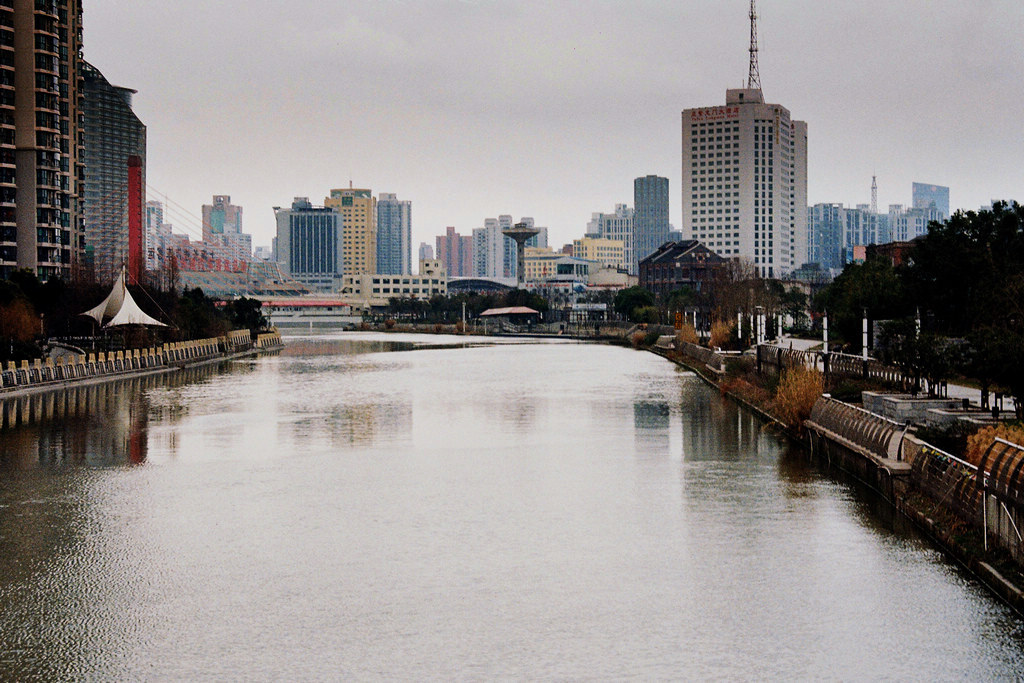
[(268, 340), (701, 354), (856, 428), (67, 368)]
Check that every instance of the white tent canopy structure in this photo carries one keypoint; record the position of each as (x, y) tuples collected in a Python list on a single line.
[(121, 309)]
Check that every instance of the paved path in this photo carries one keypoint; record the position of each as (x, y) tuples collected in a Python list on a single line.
[(956, 391)]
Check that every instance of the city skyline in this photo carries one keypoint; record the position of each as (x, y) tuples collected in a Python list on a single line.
[(533, 110)]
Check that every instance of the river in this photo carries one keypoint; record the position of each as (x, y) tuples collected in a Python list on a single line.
[(383, 506)]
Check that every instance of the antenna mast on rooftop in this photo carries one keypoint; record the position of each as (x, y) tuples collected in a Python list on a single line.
[(874, 196), (754, 76)]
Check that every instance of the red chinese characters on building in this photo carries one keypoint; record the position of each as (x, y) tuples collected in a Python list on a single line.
[(715, 114)]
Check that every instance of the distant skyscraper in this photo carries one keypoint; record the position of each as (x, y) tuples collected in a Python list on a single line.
[(835, 230), (494, 254), (650, 216), (490, 257), (151, 244), (358, 209), (40, 137), (222, 224), (931, 197), (394, 235), (426, 252), (906, 224), (745, 178), (309, 244), (616, 226), (455, 251), (221, 217), (112, 134)]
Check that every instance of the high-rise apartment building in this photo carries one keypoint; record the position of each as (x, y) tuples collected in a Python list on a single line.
[(925, 196), (491, 257), (112, 134), (455, 251), (650, 216), (358, 209), (494, 254), (426, 252), (394, 235), (309, 244), (41, 167), (745, 178), (616, 226)]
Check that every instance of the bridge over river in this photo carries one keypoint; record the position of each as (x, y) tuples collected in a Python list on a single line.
[(378, 506)]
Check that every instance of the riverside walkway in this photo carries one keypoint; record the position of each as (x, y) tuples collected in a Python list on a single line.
[(64, 370)]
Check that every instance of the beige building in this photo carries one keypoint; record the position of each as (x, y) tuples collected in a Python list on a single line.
[(368, 290), (607, 252), (540, 263), (358, 209)]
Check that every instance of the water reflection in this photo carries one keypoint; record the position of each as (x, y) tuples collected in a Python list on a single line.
[(95, 425), (537, 512)]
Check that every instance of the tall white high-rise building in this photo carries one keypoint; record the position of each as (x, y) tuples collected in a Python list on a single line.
[(745, 178)]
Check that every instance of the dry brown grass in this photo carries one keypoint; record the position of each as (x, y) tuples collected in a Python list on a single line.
[(721, 333), (638, 339), (796, 395), (687, 335), (979, 442)]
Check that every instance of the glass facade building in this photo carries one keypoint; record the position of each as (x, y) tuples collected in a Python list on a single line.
[(112, 134), (650, 216)]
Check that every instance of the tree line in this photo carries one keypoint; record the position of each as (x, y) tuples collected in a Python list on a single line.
[(32, 312)]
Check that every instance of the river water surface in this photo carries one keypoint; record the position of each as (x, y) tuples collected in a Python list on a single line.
[(364, 506)]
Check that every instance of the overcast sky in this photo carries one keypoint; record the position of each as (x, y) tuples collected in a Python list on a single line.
[(550, 108)]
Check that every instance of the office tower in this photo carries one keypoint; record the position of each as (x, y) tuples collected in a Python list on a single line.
[(931, 197), (455, 251), (650, 215), (834, 231), (309, 244), (744, 184), (394, 235), (906, 224), (41, 166), (358, 209), (826, 225), (112, 134), (616, 226), (426, 252)]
